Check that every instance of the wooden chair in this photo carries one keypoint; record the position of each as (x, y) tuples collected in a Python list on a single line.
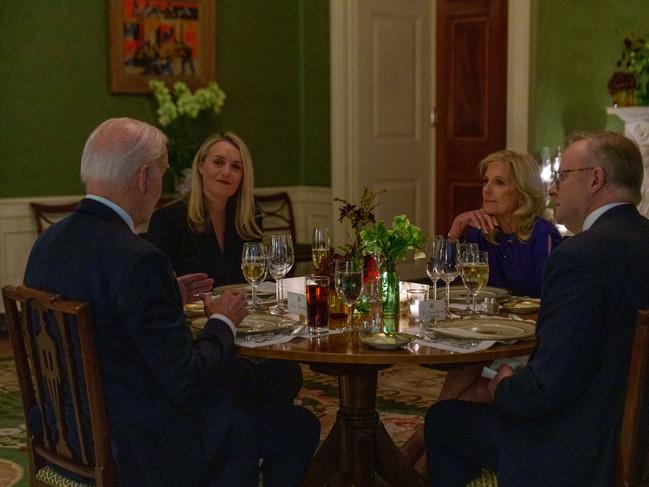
[(276, 213), (58, 372), (46, 215), (633, 452)]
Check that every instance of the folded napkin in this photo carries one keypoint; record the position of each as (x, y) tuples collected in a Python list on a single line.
[(279, 338), (442, 344)]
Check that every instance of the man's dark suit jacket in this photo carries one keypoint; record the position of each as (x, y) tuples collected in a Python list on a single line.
[(170, 423), (567, 403), (191, 252)]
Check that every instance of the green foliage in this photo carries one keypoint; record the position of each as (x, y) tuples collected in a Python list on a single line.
[(358, 218), (186, 118), (393, 242)]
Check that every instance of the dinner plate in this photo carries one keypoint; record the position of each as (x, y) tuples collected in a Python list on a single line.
[(260, 323), (265, 288), (521, 305), (386, 341), (492, 328), (459, 293)]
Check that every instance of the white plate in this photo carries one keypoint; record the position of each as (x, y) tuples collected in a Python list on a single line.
[(264, 288), (521, 305), (386, 341), (260, 323), (486, 328), (459, 293)]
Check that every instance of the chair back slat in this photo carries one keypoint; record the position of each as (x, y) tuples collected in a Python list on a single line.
[(276, 213), (46, 215), (58, 372), (633, 452)]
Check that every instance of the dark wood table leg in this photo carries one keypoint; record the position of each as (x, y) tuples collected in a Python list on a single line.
[(358, 445)]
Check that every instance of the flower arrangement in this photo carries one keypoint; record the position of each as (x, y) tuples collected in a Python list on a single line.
[(186, 118), (358, 217), (393, 243), (629, 85)]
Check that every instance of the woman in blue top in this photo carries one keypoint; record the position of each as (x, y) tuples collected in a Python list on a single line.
[(510, 225)]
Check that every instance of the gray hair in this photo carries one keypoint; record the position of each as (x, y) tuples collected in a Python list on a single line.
[(117, 148), (618, 155)]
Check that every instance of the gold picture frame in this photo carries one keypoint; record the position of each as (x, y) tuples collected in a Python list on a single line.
[(170, 40)]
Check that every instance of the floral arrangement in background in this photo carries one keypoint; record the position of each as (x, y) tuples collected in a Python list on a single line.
[(186, 118), (629, 85)]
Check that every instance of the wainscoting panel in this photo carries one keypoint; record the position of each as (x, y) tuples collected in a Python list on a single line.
[(311, 205)]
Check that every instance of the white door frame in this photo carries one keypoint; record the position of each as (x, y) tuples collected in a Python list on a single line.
[(344, 53)]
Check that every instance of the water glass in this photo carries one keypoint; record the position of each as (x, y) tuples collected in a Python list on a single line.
[(415, 296), (280, 261), (317, 305), (349, 285)]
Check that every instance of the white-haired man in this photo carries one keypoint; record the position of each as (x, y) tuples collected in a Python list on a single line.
[(171, 419)]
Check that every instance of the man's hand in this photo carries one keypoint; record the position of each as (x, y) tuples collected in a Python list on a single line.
[(231, 303), (503, 371), (193, 285)]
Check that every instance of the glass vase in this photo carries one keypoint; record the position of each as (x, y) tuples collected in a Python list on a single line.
[(390, 296)]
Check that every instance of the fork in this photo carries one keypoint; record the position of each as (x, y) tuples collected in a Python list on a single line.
[(468, 344)]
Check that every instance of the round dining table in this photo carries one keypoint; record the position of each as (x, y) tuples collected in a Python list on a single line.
[(358, 447)]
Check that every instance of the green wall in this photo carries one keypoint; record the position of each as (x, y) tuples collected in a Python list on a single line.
[(578, 44), (272, 62)]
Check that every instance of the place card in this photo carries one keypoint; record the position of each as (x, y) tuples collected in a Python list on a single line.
[(296, 303), (432, 310)]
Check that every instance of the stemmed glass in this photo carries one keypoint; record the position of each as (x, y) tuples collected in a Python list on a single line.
[(320, 245), (253, 266), (280, 261), (464, 248), (475, 274), (446, 265), (431, 262), (349, 285)]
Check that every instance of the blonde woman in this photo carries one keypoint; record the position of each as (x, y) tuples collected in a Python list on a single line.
[(206, 233), (510, 225)]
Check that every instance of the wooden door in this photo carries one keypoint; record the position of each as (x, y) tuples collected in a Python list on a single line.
[(471, 99)]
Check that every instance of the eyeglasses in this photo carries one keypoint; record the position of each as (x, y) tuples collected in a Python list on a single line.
[(559, 176)]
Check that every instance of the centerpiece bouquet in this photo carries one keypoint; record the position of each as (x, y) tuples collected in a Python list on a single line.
[(355, 217), (187, 119), (393, 244)]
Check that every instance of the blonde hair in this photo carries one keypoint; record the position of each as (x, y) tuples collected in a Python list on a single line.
[(528, 184), (197, 214)]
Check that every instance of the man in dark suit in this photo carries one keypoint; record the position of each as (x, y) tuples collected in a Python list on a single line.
[(170, 418), (555, 422)]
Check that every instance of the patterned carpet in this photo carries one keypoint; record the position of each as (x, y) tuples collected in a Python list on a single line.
[(404, 394)]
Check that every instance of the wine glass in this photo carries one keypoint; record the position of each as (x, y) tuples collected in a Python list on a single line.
[(476, 273), (446, 265), (431, 260), (253, 266), (349, 285), (280, 261), (464, 248), (320, 245)]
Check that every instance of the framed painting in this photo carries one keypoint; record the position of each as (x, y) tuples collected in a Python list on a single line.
[(168, 40)]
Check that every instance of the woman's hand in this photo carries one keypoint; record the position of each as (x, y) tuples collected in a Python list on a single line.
[(193, 285), (475, 218)]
